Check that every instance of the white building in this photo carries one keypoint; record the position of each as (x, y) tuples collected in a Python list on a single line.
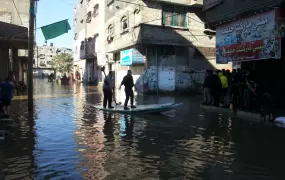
[(89, 39), (43, 57)]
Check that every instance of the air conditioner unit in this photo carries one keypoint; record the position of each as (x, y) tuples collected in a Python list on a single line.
[(110, 38)]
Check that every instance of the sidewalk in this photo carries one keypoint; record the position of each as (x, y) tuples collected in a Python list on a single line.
[(239, 113)]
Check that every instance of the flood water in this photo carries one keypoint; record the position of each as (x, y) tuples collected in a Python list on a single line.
[(70, 140)]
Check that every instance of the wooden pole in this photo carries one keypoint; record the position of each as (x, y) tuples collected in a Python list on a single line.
[(31, 55)]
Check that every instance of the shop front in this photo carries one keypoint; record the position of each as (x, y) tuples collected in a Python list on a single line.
[(134, 60), (254, 45)]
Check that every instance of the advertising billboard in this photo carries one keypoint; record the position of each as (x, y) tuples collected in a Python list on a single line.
[(253, 38)]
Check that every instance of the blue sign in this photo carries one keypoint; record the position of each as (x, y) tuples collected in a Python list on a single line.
[(131, 56), (126, 57)]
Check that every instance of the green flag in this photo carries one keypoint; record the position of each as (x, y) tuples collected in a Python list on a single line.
[(56, 29)]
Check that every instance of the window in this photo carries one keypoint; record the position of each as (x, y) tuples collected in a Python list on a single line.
[(174, 16), (82, 45), (96, 10), (42, 56), (110, 30), (110, 36), (124, 24), (88, 19), (109, 2)]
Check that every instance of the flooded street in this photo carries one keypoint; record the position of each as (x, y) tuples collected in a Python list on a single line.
[(70, 140)]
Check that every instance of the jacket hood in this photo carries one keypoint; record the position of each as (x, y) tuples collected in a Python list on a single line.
[(220, 74)]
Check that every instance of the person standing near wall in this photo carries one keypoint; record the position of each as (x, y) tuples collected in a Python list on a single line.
[(225, 87), (207, 85), (128, 82), (216, 88), (6, 94)]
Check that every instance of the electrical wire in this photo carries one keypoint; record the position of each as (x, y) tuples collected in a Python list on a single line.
[(17, 12)]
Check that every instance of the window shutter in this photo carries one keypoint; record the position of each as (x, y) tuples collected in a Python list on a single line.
[(174, 19), (163, 17)]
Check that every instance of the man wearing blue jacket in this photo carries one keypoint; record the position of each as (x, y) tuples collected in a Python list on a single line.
[(6, 95)]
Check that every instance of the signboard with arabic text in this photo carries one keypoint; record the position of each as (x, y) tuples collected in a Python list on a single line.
[(131, 56), (252, 38)]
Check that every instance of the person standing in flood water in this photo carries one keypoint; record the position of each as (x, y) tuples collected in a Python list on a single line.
[(6, 95), (207, 85), (216, 88), (128, 82), (108, 88), (225, 87)]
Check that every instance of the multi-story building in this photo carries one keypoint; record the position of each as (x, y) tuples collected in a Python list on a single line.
[(250, 34), (89, 44), (15, 12), (14, 19), (163, 42), (43, 57)]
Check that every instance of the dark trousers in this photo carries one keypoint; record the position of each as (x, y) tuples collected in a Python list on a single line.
[(129, 94), (108, 94), (216, 97)]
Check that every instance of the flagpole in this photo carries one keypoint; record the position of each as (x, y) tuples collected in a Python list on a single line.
[(31, 55)]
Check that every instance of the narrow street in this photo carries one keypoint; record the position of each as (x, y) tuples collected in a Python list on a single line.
[(70, 140)]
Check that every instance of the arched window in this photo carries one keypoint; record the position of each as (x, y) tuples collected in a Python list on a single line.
[(124, 24), (110, 30)]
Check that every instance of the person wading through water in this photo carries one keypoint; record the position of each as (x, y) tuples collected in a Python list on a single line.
[(108, 88), (128, 82)]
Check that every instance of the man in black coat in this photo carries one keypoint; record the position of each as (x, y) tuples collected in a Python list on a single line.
[(128, 82), (216, 88), (207, 85)]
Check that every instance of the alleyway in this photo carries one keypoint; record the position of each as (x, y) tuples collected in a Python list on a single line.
[(70, 140)]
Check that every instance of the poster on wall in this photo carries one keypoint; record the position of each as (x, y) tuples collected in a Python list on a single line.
[(253, 38), (131, 56)]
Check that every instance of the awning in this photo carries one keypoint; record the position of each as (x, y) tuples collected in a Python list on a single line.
[(17, 36), (208, 4)]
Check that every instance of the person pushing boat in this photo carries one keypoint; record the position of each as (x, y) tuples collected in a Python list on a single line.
[(108, 88), (128, 82)]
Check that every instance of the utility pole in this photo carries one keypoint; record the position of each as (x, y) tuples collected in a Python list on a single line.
[(31, 55)]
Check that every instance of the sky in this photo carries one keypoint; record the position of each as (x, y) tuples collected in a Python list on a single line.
[(51, 11)]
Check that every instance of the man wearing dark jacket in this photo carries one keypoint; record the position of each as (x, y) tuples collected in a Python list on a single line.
[(128, 82), (108, 87), (216, 88), (207, 85)]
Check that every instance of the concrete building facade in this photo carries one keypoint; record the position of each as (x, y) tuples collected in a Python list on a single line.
[(164, 40), (9, 12), (14, 19), (89, 44), (43, 57)]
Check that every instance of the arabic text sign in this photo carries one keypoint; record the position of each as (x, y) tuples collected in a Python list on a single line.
[(250, 38), (131, 56), (266, 49), (126, 57)]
